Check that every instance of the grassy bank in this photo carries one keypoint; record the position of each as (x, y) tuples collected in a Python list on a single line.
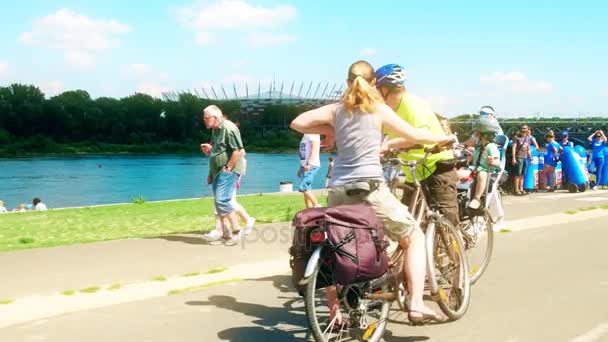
[(71, 226)]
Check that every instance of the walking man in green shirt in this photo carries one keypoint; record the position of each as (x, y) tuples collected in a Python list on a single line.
[(225, 167)]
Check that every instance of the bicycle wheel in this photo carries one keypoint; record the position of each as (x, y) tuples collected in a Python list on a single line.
[(363, 319), (448, 268), (478, 236)]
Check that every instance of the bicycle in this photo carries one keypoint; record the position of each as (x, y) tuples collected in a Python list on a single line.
[(367, 304), (477, 226)]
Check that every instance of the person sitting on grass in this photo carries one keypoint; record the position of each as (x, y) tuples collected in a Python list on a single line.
[(38, 205), (486, 154)]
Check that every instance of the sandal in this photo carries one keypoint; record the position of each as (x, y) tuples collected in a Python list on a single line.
[(425, 317)]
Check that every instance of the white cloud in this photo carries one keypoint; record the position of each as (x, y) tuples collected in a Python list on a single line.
[(238, 63), (604, 92), (368, 52), (80, 60), (266, 39), (3, 67), (52, 88), (440, 103), (151, 88), (78, 36), (231, 15), (139, 69), (516, 81)]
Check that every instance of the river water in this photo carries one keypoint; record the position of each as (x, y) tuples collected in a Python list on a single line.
[(102, 179)]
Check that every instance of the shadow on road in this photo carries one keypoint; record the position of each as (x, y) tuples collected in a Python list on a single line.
[(280, 282), (273, 324), (389, 337), (190, 239)]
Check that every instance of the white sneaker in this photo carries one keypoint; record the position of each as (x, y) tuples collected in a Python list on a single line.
[(233, 240), (594, 188), (248, 227), (214, 235)]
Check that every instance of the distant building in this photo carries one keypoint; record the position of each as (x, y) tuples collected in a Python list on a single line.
[(254, 103)]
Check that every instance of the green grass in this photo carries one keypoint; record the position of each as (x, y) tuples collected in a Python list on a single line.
[(5, 301), (579, 210), (504, 230), (68, 292), (71, 226), (159, 278), (203, 286), (91, 289), (114, 287), (216, 270), (191, 274)]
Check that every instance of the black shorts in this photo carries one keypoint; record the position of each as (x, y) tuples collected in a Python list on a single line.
[(520, 169)]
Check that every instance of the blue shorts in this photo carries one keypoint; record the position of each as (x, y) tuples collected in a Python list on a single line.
[(223, 187), (520, 169), (308, 178)]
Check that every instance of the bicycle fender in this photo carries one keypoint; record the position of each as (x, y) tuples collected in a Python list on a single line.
[(310, 266)]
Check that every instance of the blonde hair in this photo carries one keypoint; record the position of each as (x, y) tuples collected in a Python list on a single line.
[(361, 93)]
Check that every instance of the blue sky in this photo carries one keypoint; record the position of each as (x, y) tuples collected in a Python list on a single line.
[(548, 57)]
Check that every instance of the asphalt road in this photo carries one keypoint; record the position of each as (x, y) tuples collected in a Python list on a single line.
[(543, 284)]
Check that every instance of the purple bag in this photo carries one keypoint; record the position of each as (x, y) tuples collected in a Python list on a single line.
[(356, 236), (305, 221)]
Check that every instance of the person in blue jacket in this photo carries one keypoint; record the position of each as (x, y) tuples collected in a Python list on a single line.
[(598, 142), (553, 149)]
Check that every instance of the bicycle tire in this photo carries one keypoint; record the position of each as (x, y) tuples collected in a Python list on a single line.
[(355, 334), (477, 268), (440, 231)]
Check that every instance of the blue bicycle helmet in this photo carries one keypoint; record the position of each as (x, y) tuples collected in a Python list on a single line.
[(390, 75)]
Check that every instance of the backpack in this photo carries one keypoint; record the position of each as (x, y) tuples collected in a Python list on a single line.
[(355, 244), (304, 223)]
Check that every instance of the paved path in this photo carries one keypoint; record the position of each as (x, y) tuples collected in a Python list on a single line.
[(547, 282)]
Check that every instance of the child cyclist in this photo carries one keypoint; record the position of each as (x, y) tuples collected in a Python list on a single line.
[(486, 155)]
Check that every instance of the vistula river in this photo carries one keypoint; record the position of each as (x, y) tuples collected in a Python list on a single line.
[(104, 179)]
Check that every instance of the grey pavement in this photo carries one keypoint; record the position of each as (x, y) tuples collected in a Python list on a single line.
[(547, 284), (52, 270)]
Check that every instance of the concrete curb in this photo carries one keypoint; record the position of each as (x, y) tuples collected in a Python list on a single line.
[(42, 306)]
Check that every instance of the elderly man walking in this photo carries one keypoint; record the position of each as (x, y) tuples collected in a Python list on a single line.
[(225, 167)]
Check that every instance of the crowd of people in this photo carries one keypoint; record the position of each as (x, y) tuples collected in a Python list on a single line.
[(36, 204)]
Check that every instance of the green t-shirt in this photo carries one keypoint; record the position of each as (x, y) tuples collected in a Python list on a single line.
[(226, 139), (491, 150), (418, 113)]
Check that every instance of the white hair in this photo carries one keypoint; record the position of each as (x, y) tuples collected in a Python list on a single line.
[(213, 110)]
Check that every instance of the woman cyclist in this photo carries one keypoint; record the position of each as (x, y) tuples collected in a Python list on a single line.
[(357, 123)]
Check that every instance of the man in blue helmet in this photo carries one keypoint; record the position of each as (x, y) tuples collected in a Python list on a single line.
[(438, 171)]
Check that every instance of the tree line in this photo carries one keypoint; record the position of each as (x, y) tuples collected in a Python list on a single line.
[(73, 122)]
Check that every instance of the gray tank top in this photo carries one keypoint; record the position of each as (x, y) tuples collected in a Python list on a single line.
[(358, 141)]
